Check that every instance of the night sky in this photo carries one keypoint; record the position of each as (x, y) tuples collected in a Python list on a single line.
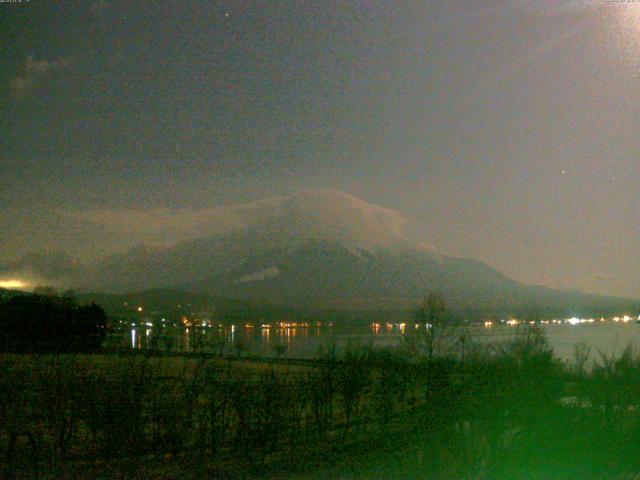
[(507, 131)]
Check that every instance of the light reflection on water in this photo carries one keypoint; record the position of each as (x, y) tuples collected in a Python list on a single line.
[(306, 342)]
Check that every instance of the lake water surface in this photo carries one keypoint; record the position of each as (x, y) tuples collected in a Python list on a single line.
[(306, 342)]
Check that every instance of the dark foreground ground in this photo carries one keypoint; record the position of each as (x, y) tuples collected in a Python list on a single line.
[(509, 411)]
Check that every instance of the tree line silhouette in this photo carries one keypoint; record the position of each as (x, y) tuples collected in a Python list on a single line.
[(45, 322)]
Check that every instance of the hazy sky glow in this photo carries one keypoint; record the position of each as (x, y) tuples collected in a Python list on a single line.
[(507, 131)]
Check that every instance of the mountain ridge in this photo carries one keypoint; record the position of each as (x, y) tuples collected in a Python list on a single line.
[(323, 249)]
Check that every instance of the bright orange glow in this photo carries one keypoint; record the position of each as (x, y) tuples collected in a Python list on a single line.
[(18, 284)]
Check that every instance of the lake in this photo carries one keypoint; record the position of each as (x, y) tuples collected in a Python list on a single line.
[(608, 337)]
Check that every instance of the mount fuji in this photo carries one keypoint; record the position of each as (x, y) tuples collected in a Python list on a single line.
[(325, 249)]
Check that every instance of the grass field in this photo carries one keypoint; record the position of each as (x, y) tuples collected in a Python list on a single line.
[(507, 411)]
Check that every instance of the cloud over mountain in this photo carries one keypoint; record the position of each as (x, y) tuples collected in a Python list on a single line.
[(324, 214)]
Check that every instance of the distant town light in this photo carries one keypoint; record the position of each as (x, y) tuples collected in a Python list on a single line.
[(12, 284)]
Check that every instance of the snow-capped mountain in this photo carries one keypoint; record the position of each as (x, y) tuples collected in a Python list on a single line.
[(234, 238), (319, 249)]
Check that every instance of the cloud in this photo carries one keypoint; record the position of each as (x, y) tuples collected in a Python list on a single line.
[(323, 214), (48, 267), (323, 208), (53, 264), (34, 72), (163, 227)]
